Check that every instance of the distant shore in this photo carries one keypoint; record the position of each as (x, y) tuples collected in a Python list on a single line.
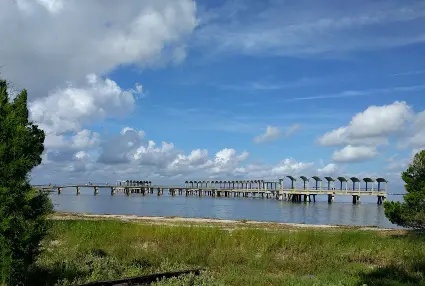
[(174, 220)]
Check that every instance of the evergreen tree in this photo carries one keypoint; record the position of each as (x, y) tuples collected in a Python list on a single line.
[(23, 211), (411, 212)]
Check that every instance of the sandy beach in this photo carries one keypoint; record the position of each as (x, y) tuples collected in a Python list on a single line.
[(211, 221)]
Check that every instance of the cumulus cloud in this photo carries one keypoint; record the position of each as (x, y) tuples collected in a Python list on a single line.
[(340, 137), (128, 148), (375, 126), (354, 154), (371, 127), (328, 170), (129, 155), (49, 46), (151, 155), (141, 133), (290, 167), (120, 148), (67, 110), (226, 160), (83, 139), (188, 163), (272, 134)]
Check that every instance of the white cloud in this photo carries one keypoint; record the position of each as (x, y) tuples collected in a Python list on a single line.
[(416, 138), (83, 139), (53, 6), (272, 134), (129, 149), (81, 155), (354, 154), (49, 46), (329, 169), (128, 155), (196, 159), (371, 127), (68, 109), (378, 121), (374, 127), (120, 148), (396, 164), (339, 137), (290, 167), (225, 161), (155, 156), (141, 133), (292, 129)]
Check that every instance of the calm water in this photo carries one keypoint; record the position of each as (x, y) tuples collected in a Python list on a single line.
[(342, 211)]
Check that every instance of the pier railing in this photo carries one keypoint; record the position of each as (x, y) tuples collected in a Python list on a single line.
[(276, 191)]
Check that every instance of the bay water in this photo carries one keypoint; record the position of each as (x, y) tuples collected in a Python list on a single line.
[(341, 212)]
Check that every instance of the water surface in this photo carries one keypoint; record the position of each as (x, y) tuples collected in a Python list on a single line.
[(341, 212)]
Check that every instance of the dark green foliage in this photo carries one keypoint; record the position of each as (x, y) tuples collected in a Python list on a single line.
[(411, 213), (23, 211)]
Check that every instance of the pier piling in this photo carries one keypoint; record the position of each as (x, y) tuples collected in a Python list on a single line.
[(356, 199)]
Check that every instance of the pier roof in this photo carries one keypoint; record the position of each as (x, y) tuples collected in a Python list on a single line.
[(304, 178), (381, 180), (368, 180), (330, 179), (342, 179), (292, 178), (355, 179), (316, 178)]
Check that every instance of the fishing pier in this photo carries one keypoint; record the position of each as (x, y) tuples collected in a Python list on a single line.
[(353, 186)]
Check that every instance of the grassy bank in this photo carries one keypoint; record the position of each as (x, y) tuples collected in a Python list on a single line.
[(88, 250)]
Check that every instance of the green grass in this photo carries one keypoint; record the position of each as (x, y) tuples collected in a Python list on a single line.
[(80, 251)]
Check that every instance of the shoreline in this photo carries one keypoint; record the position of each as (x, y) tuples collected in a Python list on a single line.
[(174, 220)]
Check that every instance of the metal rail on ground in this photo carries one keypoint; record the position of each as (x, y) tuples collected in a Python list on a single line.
[(141, 280)]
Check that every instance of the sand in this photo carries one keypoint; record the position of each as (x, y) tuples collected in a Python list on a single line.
[(211, 222)]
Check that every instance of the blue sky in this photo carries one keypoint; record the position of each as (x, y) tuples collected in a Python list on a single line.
[(213, 75)]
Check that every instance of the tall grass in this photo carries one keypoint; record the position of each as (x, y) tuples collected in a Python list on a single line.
[(82, 251)]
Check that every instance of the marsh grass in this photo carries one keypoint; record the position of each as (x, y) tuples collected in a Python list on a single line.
[(80, 251)]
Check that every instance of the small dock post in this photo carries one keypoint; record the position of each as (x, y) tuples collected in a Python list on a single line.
[(356, 199), (78, 190), (96, 191), (381, 200), (331, 198), (112, 191), (280, 196), (59, 191)]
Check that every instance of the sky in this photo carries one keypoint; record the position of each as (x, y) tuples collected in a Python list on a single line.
[(175, 90)]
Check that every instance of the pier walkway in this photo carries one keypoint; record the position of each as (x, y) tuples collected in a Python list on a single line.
[(253, 188)]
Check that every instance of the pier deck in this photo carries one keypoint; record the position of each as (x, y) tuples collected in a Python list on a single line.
[(289, 194)]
